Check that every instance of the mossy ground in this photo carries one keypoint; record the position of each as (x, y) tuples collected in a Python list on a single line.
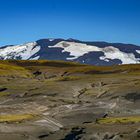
[(15, 118), (115, 120)]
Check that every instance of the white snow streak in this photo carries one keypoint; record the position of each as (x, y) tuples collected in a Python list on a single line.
[(138, 51), (78, 49)]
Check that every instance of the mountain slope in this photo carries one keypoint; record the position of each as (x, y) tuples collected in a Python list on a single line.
[(94, 53)]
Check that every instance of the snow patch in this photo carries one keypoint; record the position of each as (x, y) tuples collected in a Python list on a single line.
[(76, 49), (79, 49), (23, 52), (51, 39), (114, 53), (138, 51)]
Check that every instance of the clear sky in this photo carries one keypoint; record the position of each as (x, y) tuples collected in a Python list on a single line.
[(94, 20)]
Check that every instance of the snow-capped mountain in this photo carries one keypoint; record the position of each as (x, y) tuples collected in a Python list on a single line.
[(95, 53)]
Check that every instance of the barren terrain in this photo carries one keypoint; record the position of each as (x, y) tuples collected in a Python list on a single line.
[(56, 100)]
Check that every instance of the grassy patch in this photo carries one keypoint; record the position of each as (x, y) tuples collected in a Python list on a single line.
[(113, 120), (5, 93), (25, 68), (15, 118), (51, 63), (13, 70)]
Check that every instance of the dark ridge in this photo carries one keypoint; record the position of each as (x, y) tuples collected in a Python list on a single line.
[(43, 136), (2, 89), (132, 96)]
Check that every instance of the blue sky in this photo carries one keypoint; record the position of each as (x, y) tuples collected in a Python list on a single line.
[(94, 20)]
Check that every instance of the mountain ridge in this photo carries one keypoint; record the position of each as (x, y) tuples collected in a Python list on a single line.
[(93, 53)]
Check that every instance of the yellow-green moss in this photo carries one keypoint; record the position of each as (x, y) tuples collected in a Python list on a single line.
[(112, 120), (4, 93), (15, 118)]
